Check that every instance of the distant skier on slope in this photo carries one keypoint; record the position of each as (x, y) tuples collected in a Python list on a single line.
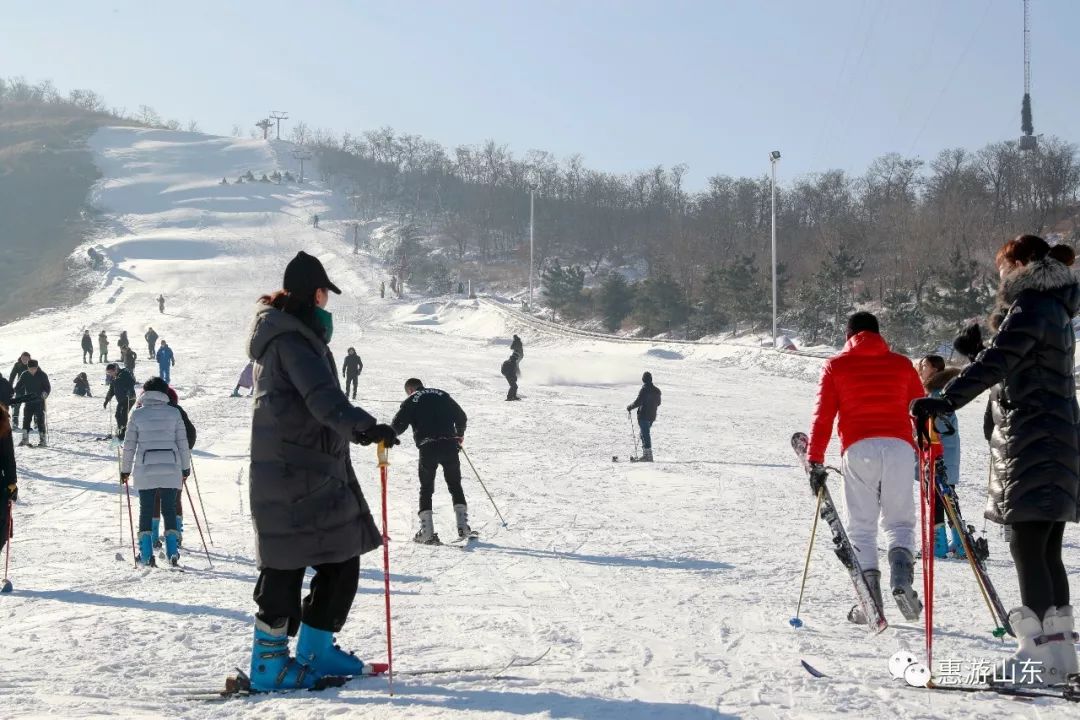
[(307, 507), (166, 361), (87, 348), (122, 387), (151, 342), (156, 452), (511, 371), (351, 369), (33, 390), (161, 304), (868, 387), (128, 357), (935, 376), (438, 424), (82, 386), (123, 343), (103, 347), (648, 400), (517, 348), (16, 371)]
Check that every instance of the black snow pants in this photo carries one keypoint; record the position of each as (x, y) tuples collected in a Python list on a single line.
[(1036, 550), (432, 455), (328, 602)]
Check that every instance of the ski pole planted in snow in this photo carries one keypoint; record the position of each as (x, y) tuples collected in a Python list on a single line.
[(198, 525), (383, 454), (198, 492), (467, 459), (131, 522), (796, 622), (8, 531)]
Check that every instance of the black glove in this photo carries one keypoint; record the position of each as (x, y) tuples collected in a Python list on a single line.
[(105, 404), (13, 492), (923, 410), (818, 476), (969, 342), (124, 477), (186, 474), (377, 434), (629, 408)]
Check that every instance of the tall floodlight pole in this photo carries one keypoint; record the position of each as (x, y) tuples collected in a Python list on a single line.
[(532, 244), (302, 155), (279, 115), (774, 157)]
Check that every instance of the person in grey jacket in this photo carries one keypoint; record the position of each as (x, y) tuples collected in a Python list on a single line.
[(306, 504), (156, 452)]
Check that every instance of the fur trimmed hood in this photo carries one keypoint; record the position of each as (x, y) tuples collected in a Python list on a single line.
[(940, 379), (1046, 275)]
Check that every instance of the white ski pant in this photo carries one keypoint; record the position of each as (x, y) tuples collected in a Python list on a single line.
[(878, 483)]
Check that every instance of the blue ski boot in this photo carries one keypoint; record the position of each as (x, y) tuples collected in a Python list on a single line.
[(271, 667), (317, 649), (146, 549), (155, 532), (180, 531), (172, 547), (956, 544), (941, 542)]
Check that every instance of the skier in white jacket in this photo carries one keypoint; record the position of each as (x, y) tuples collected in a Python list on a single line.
[(156, 452)]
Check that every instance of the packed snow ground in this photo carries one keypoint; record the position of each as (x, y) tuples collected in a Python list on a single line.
[(662, 591)]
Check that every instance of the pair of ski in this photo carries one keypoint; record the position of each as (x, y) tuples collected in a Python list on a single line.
[(463, 541), (870, 609), (239, 685)]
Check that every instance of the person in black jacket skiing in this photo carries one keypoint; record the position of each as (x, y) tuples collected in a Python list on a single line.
[(307, 507), (438, 424), (18, 369), (33, 389), (351, 369), (122, 387), (87, 348), (648, 400), (517, 348), (511, 371), (151, 342), (1035, 446)]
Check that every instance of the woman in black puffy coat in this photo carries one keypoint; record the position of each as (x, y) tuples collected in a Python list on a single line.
[(1034, 442)]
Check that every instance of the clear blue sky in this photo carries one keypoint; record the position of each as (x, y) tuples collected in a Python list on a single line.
[(629, 84)]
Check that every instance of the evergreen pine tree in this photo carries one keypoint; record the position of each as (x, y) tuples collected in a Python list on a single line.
[(614, 300), (962, 293)]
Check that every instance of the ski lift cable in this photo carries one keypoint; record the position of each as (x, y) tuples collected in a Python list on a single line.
[(827, 115), (952, 74), (925, 55), (854, 88)]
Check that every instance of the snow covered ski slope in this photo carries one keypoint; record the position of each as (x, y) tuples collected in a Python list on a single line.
[(662, 591)]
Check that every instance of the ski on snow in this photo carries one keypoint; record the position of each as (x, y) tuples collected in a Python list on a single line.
[(843, 548), (239, 685)]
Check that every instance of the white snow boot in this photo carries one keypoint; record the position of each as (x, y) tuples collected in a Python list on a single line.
[(901, 577), (426, 534), (461, 513), (1058, 627), (1033, 660)]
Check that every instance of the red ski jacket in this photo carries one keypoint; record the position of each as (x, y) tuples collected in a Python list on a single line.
[(870, 388)]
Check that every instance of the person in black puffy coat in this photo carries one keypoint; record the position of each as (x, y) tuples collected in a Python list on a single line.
[(648, 400), (1034, 442), (306, 504)]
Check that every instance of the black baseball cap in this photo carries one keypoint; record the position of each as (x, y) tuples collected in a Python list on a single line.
[(305, 274)]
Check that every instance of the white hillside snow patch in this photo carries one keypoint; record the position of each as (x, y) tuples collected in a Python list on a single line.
[(663, 591)]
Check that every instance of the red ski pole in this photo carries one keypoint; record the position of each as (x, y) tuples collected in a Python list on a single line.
[(384, 470), (131, 524), (196, 515)]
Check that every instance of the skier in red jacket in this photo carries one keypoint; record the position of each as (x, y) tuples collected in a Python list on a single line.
[(868, 387)]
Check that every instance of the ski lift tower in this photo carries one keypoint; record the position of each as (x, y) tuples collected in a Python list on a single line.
[(1028, 141)]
